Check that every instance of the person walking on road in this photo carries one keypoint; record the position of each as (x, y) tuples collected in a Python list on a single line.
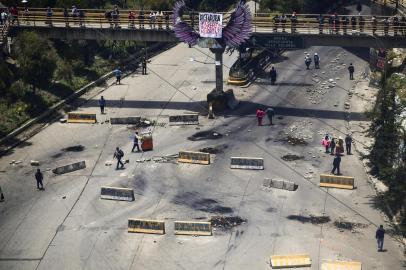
[(348, 142), (119, 154), (102, 104), (270, 113), (144, 66), (117, 73), (326, 143), (260, 116), (39, 177), (336, 164), (1, 195), (379, 235), (351, 70), (316, 61), (136, 142), (272, 74)]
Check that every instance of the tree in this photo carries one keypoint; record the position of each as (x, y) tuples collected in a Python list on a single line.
[(36, 58)]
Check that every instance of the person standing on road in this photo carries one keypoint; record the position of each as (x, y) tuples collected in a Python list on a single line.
[(348, 142), (316, 61), (270, 113), (332, 146), (136, 142), (39, 177), (1, 195), (380, 235), (308, 61), (326, 143), (336, 164), (144, 66), (351, 70), (117, 73), (260, 115), (272, 74), (102, 104), (119, 154)]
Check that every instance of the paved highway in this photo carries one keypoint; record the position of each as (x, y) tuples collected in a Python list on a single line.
[(67, 226)]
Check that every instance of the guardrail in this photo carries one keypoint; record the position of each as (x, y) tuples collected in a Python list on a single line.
[(262, 22)]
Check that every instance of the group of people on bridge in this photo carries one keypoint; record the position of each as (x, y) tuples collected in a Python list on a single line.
[(336, 24)]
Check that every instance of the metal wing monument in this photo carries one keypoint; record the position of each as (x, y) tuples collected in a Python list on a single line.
[(214, 36)]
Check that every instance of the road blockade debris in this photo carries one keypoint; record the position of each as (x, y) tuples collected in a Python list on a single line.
[(290, 261), (336, 181), (81, 117), (194, 157), (70, 168), (117, 193), (131, 120), (226, 222), (280, 184), (187, 119), (146, 226), (247, 163), (339, 265), (193, 228), (146, 141)]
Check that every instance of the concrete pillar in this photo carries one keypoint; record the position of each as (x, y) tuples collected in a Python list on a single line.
[(218, 53)]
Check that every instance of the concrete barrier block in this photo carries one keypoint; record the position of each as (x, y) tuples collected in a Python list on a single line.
[(247, 163), (34, 163), (194, 157), (82, 117), (193, 228), (340, 265), (146, 226), (70, 168), (130, 120), (187, 119), (117, 193)]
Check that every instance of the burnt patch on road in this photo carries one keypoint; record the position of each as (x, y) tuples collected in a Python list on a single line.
[(226, 223), (310, 219), (295, 141), (139, 183), (74, 148), (195, 201), (290, 157), (205, 135), (348, 225), (215, 149)]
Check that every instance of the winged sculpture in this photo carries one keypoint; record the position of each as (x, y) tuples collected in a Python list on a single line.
[(236, 32)]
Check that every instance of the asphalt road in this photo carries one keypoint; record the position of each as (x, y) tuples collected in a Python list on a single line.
[(68, 226)]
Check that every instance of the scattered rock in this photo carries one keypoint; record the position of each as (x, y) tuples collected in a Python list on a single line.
[(108, 163)]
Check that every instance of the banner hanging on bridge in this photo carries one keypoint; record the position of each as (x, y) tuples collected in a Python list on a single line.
[(211, 25)]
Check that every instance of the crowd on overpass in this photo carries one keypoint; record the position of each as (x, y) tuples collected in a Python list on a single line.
[(117, 18)]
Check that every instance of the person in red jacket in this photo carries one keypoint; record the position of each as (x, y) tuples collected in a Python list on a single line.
[(260, 116)]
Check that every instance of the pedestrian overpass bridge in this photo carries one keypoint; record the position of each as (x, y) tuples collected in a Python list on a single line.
[(306, 31)]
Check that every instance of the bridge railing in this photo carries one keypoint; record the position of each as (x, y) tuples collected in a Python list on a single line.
[(262, 22)]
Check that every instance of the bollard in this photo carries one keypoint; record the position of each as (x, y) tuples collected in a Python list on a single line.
[(211, 114)]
